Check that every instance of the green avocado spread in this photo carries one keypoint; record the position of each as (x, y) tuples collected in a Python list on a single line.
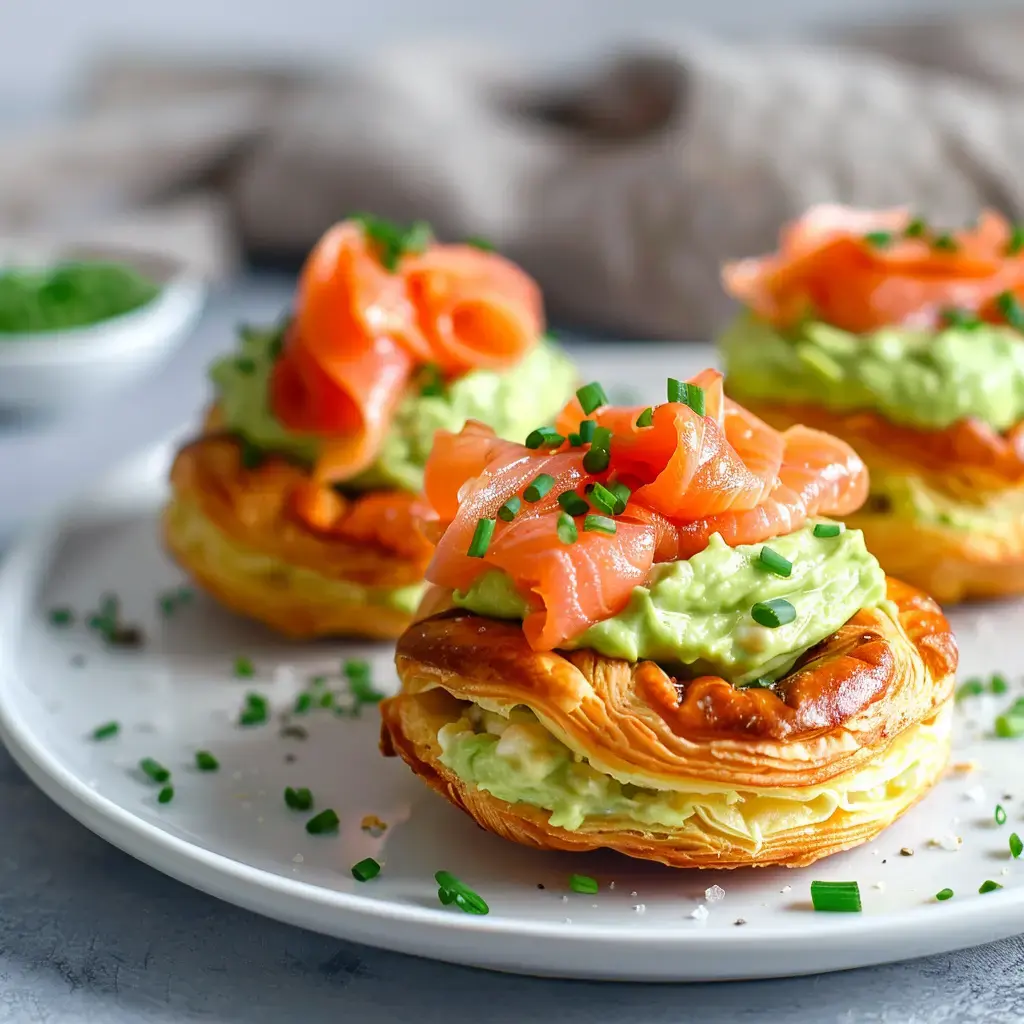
[(512, 401), (918, 378), (695, 614)]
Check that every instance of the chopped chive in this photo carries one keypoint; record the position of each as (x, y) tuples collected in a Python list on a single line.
[(622, 494), (1009, 726), (646, 418), (539, 487), (245, 365), (596, 460), (572, 503), (392, 241), (1000, 814), (255, 711), (244, 668), (691, 395), (1011, 309), (300, 799), (587, 428), (365, 870), (451, 890), (603, 499), (325, 821), (945, 242), (326, 699), (206, 762), (567, 532), (154, 770), (480, 243), (583, 884), (962, 318), (303, 703), (575, 440), (601, 437), (971, 688), (168, 603), (774, 562), (106, 731), (591, 397), (917, 228), (250, 456), (998, 684), (827, 529), (61, 616), (1016, 845), (1016, 242), (544, 437), (166, 795), (599, 524), (431, 381), (843, 897), (944, 894), (363, 690), (481, 538), (879, 239), (755, 684), (774, 613), (988, 886), (510, 509)]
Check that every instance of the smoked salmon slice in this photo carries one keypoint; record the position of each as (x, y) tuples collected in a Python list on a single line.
[(688, 474), (361, 329), (860, 270)]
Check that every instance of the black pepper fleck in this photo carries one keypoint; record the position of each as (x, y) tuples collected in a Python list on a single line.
[(290, 759), (739, 920), (540, 885)]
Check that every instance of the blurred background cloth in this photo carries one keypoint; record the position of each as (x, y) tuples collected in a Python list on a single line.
[(622, 185)]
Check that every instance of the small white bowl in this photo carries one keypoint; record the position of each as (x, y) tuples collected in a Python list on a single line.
[(49, 371)]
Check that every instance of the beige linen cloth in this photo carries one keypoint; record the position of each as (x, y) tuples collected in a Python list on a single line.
[(621, 186)]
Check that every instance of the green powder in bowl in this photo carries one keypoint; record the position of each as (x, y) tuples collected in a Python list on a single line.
[(69, 295)]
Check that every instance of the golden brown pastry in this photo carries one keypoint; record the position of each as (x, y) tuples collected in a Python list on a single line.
[(907, 343), (712, 675), (298, 504)]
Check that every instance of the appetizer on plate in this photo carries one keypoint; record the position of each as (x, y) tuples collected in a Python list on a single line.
[(647, 637), (906, 342), (297, 505)]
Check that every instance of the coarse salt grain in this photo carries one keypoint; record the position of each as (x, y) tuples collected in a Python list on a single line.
[(947, 841), (611, 885), (880, 886), (700, 913), (298, 858), (786, 888), (640, 907), (714, 894)]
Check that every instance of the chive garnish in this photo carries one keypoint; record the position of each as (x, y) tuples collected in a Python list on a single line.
[(583, 884), (572, 503), (480, 243), (1011, 309), (755, 684), (206, 762), (843, 897), (325, 821), (302, 704), (603, 499), (774, 562), (622, 493), (544, 437), (587, 428), (971, 688), (391, 240), (325, 700), (575, 440), (300, 799), (510, 509), (244, 668), (961, 318), (245, 365), (166, 795), (827, 529), (596, 460), (879, 239), (998, 684), (154, 770), (450, 890), (591, 397), (255, 711), (774, 613), (365, 870), (481, 538), (106, 731), (61, 616), (1016, 845), (1010, 724), (1016, 241), (599, 524), (539, 487), (646, 418), (360, 683), (944, 894), (567, 532), (1000, 814), (250, 456), (691, 395), (917, 228), (945, 242), (431, 381), (988, 886)]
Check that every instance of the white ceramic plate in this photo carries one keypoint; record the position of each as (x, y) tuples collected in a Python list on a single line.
[(230, 834)]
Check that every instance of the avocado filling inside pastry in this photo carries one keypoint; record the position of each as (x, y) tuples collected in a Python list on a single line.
[(694, 614), (205, 544), (510, 754)]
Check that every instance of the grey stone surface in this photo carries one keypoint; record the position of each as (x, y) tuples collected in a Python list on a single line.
[(90, 936)]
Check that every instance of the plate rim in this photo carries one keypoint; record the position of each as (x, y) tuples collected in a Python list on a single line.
[(28, 559)]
